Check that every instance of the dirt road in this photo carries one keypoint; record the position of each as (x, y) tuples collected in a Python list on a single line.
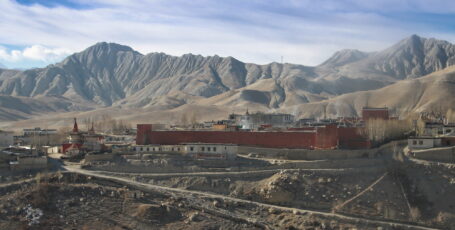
[(202, 195)]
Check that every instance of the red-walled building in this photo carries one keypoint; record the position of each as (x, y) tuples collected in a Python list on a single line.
[(321, 137), (352, 138), (375, 113)]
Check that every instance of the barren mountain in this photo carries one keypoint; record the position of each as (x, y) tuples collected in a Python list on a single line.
[(18, 108), (114, 76), (433, 92)]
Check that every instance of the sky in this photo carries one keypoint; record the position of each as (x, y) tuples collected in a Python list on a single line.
[(36, 33)]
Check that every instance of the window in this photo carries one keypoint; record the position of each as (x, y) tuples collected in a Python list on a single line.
[(414, 142), (214, 149), (191, 149), (202, 148), (178, 149), (153, 148), (141, 149), (208, 149), (448, 130), (420, 142), (148, 149)]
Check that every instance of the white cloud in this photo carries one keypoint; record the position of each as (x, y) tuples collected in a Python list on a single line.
[(34, 53), (304, 32)]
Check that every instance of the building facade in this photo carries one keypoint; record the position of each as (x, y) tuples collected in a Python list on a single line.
[(254, 121), (79, 142), (424, 142), (193, 150), (318, 137), (369, 113), (38, 131)]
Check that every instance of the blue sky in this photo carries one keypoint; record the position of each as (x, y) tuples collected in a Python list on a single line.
[(36, 33)]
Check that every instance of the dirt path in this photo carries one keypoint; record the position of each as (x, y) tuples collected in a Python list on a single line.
[(219, 173), (17, 182), (279, 160), (191, 194), (425, 162), (360, 193)]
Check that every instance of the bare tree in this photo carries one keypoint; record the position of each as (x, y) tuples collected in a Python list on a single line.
[(379, 130), (193, 118), (184, 120)]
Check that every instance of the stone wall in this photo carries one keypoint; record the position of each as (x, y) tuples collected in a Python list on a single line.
[(30, 163), (99, 157), (305, 154), (437, 154), (335, 154)]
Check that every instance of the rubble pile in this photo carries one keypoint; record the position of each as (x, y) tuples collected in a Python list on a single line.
[(305, 189), (79, 202), (281, 187), (158, 213)]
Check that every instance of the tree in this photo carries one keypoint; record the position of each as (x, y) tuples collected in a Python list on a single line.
[(193, 118), (184, 120), (450, 116), (380, 131)]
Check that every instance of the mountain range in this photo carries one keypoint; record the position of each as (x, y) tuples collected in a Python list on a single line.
[(117, 79)]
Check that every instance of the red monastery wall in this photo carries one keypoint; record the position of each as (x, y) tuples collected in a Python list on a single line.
[(262, 139), (328, 137), (375, 114)]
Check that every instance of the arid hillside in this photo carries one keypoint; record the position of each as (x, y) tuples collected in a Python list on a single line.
[(109, 78)]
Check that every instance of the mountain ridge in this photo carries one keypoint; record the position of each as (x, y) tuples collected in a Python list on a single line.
[(112, 75)]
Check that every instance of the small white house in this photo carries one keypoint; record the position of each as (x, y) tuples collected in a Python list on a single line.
[(158, 148), (6, 138), (211, 151), (118, 139), (52, 149), (423, 142), (194, 150)]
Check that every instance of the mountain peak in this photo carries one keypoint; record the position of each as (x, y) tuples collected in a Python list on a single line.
[(412, 40), (414, 37), (415, 56), (343, 57), (109, 47), (102, 52)]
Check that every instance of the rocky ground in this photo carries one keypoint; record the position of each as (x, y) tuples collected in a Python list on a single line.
[(409, 193), (70, 201), (391, 195)]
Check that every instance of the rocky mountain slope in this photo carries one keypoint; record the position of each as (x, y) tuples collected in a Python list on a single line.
[(433, 92), (18, 108), (109, 75)]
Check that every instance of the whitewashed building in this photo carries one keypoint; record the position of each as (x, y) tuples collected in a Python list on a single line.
[(118, 139), (424, 142), (39, 132), (158, 148), (193, 150), (211, 151)]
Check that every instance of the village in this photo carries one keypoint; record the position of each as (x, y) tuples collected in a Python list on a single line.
[(252, 134), (365, 169)]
